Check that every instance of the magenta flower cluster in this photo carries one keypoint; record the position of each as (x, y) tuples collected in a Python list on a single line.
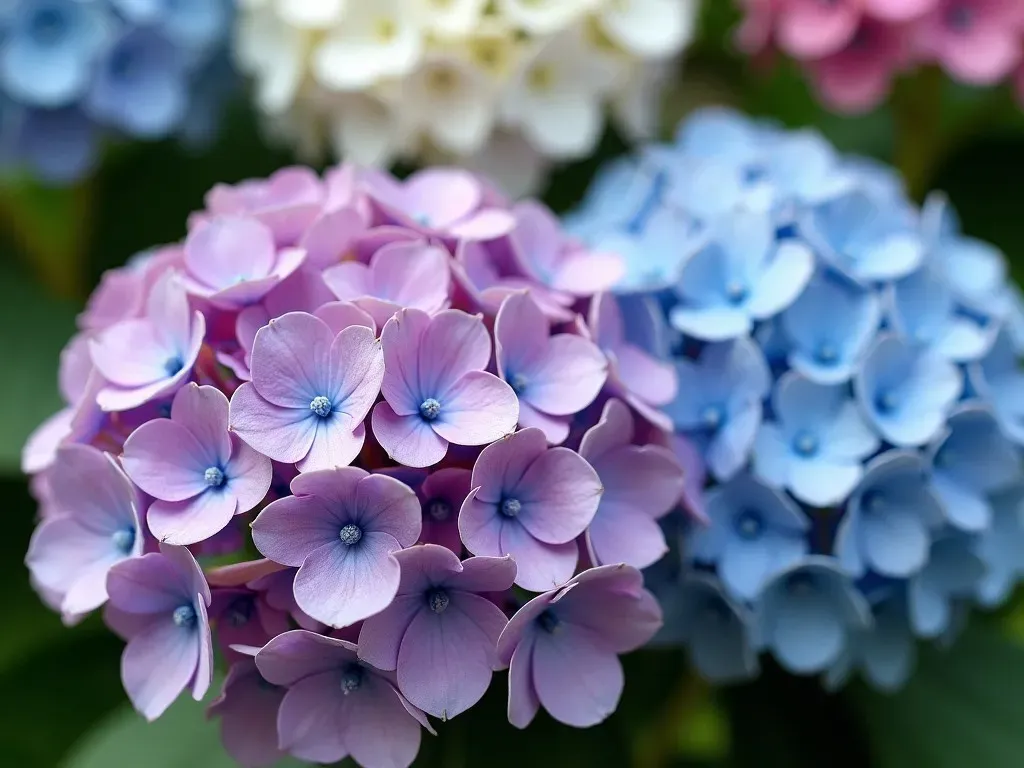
[(852, 49), (395, 409)]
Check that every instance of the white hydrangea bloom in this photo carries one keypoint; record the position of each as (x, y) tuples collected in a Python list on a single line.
[(501, 86)]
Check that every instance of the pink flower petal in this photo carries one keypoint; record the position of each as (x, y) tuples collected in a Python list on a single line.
[(356, 372), (329, 239), (249, 475), (166, 461), (568, 377), (452, 345), (341, 314), (555, 428), (203, 411), (291, 360), (226, 250), (810, 29), (401, 339), (559, 494), (334, 445)]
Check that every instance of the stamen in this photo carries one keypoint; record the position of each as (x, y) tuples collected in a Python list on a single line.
[(511, 507), (429, 409), (350, 534), (214, 477), (184, 616), (321, 406), (438, 600)]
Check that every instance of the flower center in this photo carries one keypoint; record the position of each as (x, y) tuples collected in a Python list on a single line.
[(429, 409), (826, 353), (124, 539), (351, 679), (805, 444), (873, 501), (173, 365), (184, 616), (799, 584), (712, 417), (886, 402), (438, 600), (214, 477), (47, 26), (321, 406), (439, 510), (749, 524), (960, 17), (350, 534), (736, 292), (511, 507), (518, 383), (240, 612), (549, 622)]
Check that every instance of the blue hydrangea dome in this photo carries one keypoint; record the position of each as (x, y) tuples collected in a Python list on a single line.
[(848, 371), (73, 73)]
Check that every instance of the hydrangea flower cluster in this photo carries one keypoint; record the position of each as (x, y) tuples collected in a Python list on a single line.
[(408, 418), (853, 48), (74, 71), (501, 87), (847, 371)]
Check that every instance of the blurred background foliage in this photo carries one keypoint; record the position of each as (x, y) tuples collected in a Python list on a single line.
[(60, 694)]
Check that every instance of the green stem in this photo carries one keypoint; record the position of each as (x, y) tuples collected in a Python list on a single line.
[(921, 144)]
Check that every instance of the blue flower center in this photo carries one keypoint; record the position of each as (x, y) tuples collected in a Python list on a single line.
[(429, 409), (736, 292), (214, 477), (48, 25), (240, 612), (124, 539), (886, 402), (511, 507), (712, 416), (350, 534), (352, 679), (749, 524), (173, 365), (873, 501), (439, 510), (123, 62), (805, 444), (799, 584), (184, 616), (423, 219), (826, 353), (438, 600), (321, 406), (549, 622), (518, 382)]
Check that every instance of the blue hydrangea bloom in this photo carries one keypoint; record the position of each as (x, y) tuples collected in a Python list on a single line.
[(972, 461), (716, 629), (888, 522), (809, 615), (849, 370), (817, 442), (77, 73), (830, 353), (743, 275), (720, 402), (753, 533), (906, 391)]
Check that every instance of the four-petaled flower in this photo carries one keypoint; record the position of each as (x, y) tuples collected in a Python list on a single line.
[(562, 647), (341, 529), (161, 600), (200, 474), (554, 376), (531, 502), (436, 390), (310, 391), (641, 484), (439, 633)]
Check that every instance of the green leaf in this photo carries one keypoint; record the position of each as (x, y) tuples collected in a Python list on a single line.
[(33, 329), (182, 738), (962, 707)]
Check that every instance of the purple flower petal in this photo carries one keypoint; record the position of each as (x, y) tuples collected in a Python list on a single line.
[(576, 679), (485, 574), (157, 665), (341, 585), (340, 315), (446, 659), (409, 439), (523, 702), (476, 409), (380, 636), (203, 411), (149, 584), (375, 709), (292, 528), (555, 428), (282, 434), (291, 360), (288, 658), (453, 345), (401, 338), (625, 535), (226, 250), (193, 520), (539, 566), (248, 708), (559, 495), (166, 460), (334, 445), (249, 475), (309, 719)]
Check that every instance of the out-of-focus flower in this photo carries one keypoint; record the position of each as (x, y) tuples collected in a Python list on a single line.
[(464, 80), (247, 708)]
